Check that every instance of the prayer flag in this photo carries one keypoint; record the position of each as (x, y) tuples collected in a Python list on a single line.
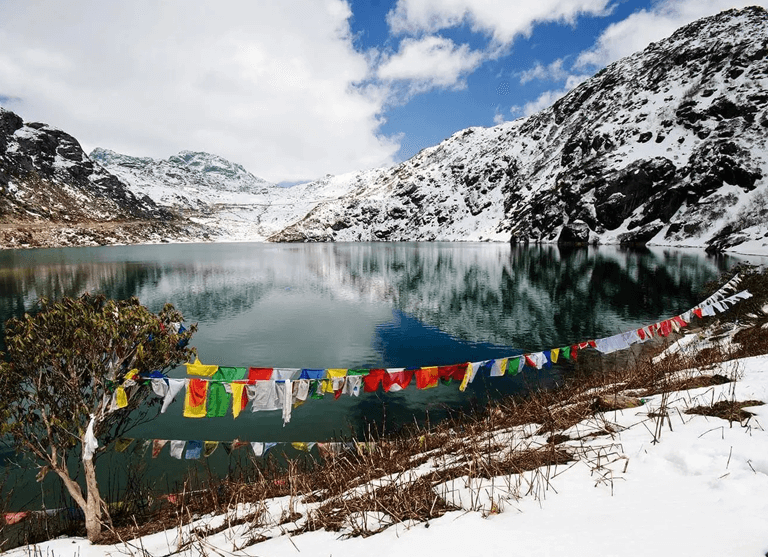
[(259, 374), (177, 447), (529, 361), (469, 375), (218, 397), (209, 447), (122, 443), (373, 379), (331, 374), (194, 402), (449, 373), (312, 374), (197, 368), (426, 377), (239, 399), (157, 446), (194, 449), (174, 386), (397, 379)]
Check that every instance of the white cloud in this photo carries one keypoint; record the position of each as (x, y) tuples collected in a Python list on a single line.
[(270, 85), (498, 117), (430, 62), (553, 72), (646, 26), (501, 20), (548, 98)]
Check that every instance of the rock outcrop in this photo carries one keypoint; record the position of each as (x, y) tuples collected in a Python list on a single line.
[(52, 194)]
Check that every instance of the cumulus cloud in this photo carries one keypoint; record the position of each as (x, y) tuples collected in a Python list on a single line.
[(498, 117), (548, 98), (271, 85), (503, 21), (646, 26), (430, 62), (553, 71)]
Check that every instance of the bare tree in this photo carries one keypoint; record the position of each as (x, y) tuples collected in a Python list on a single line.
[(73, 377)]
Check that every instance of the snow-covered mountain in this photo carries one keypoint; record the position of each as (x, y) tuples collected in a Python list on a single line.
[(52, 194), (664, 147), (667, 146), (186, 180), (230, 201)]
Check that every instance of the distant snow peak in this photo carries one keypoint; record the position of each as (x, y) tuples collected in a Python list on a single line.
[(187, 169)]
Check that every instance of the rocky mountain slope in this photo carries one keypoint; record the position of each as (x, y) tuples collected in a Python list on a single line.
[(52, 194), (230, 202), (667, 146)]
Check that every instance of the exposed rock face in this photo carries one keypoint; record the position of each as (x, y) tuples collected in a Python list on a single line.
[(666, 146), (52, 194)]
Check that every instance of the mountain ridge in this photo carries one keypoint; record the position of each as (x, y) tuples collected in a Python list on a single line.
[(653, 148)]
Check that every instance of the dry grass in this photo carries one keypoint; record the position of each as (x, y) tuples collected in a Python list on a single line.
[(731, 410)]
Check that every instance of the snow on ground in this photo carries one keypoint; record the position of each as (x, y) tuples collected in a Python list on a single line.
[(687, 485)]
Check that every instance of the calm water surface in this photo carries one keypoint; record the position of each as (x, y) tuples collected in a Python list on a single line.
[(365, 305)]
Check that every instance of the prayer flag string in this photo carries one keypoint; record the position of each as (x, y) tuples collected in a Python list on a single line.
[(214, 389)]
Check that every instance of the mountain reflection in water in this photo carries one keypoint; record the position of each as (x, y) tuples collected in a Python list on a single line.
[(367, 305)]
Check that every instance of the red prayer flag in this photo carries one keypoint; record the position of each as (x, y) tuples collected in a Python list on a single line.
[(258, 374), (426, 377), (373, 379), (455, 371), (399, 378)]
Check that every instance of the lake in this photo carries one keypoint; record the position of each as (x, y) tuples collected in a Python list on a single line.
[(363, 305)]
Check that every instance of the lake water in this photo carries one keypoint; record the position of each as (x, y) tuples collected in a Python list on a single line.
[(363, 305)]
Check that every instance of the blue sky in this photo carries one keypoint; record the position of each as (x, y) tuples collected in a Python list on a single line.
[(295, 90)]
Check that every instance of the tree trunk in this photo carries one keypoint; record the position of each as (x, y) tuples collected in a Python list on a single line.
[(93, 506)]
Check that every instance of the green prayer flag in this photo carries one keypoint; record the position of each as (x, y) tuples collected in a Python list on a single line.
[(565, 352), (219, 400), (316, 389), (513, 366)]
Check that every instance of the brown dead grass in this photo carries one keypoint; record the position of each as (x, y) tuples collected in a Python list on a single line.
[(731, 410)]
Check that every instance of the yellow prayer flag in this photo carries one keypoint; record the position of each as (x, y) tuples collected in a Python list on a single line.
[(121, 397), (467, 377), (503, 365), (553, 354), (197, 368), (328, 383), (122, 443), (209, 447), (300, 446), (237, 398)]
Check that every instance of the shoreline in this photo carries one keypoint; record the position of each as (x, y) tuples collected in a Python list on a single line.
[(75, 236)]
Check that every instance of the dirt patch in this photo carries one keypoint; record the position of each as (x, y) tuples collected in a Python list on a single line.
[(731, 410), (689, 383)]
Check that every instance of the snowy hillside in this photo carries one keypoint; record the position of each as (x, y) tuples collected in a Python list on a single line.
[(234, 204), (664, 147)]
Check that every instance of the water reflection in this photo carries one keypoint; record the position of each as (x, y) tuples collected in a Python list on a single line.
[(529, 298), (367, 305)]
